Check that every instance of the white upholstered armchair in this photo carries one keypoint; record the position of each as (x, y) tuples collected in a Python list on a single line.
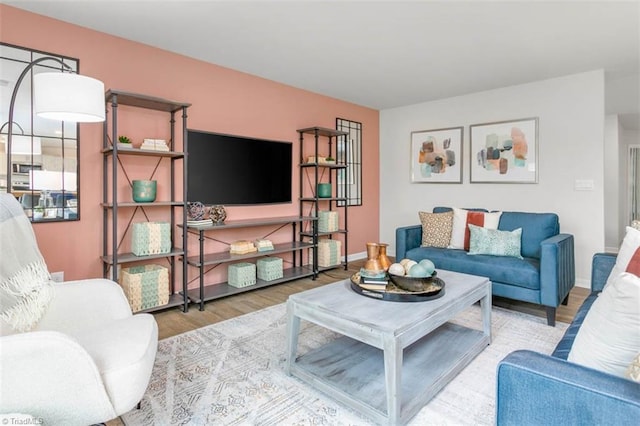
[(70, 353)]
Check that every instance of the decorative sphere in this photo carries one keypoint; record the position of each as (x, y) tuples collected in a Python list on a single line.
[(195, 210), (428, 265), (217, 214), (418, 271), (408, 265), (403, 262), (396, 269)]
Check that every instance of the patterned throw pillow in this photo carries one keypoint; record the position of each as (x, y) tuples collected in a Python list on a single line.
[(494, 242), (436, 228), (462, 218)]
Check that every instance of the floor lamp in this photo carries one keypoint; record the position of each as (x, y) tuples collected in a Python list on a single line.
[(65, 95)]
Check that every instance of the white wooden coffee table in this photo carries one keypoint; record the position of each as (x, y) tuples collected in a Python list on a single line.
[(381, 340)]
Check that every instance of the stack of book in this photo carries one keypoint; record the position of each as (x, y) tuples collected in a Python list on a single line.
[(374, 283), (203, 222), (264, 245), (242, 247), (155, 145)]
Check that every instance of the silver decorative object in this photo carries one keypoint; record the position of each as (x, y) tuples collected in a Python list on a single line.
[(196, 210)]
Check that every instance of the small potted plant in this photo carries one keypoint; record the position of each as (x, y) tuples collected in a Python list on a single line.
[(124, 142), (330, 160), (38, 212)]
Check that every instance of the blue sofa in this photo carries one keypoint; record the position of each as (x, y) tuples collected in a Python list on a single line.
[(544, 276), (537, 389)]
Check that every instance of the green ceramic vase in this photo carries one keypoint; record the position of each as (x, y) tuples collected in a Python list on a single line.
[(144, 191)]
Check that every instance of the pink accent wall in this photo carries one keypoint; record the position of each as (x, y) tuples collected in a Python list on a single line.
[(223, 100)]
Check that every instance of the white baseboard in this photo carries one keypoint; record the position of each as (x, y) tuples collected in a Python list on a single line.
[(581, 282), (357, 256)]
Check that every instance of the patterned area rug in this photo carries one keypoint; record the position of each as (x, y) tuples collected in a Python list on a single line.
[(232, 373)]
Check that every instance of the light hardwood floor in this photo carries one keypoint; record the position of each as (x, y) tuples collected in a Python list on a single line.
[(174, 321)]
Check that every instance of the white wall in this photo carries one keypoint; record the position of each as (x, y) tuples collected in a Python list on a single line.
[(571, 135), (613, 180)]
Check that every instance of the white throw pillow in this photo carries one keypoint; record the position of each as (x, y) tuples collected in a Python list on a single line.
[(460, 234), (609, 337), (630, 244)]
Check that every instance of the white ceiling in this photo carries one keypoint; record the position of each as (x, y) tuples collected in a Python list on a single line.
[(384, 54)]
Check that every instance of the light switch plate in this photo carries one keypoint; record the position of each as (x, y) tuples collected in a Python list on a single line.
[(584, 185)]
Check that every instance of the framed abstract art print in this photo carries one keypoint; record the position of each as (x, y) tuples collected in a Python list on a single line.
[(504, 151), (436, 155)]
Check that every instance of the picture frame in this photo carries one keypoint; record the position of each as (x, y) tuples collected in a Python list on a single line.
[(436, 155), (504, 151)]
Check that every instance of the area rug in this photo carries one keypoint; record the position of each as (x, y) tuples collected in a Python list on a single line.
[(232, 373)]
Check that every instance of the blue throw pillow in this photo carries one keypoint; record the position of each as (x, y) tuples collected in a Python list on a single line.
[(495, 242)]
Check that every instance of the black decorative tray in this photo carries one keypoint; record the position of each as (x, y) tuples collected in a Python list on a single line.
[(392, 293)]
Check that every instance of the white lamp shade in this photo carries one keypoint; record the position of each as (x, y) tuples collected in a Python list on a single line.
[(23, 145), (68, 97)]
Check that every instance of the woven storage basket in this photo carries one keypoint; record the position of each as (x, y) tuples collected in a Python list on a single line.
[(151, 238), (242, 274), (327, 221), (329, 252), (270, 268), (145, 286)]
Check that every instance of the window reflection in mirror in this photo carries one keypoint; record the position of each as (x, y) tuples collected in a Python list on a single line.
[(44, 153)]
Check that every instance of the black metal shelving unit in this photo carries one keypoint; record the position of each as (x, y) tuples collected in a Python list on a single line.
[(314, 172), (111, 205)]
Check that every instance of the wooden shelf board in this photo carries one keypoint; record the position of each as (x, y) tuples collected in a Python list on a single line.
[(217, 291), (226, 257), (327, 165), (130, 257), (243, 223), (322, 131), (311, 199), (152, 204), (320, 234), (144, 101), (143, 152)]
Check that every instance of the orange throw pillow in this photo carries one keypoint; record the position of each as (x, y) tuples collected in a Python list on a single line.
[(634, 263)]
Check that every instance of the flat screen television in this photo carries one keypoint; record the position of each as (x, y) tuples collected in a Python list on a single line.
[(235, 170)]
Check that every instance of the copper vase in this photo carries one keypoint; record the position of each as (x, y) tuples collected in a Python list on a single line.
[(383, 259), (372, 265)]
